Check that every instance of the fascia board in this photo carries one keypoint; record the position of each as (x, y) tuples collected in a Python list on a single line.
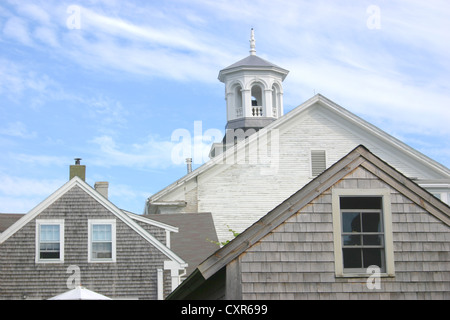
[(152, 222), (37, 210), (384, 136)]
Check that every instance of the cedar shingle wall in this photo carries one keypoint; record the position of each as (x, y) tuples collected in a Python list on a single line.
[(296, 260), (133, 275)]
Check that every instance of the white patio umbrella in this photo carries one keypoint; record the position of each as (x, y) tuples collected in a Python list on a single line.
[(80, 293)]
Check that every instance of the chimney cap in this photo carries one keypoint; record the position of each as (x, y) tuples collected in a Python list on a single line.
[(77, 161)]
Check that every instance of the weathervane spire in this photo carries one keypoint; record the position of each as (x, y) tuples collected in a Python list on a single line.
[(252, 43)]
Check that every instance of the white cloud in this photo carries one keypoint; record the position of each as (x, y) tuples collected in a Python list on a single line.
[(24, 187), (154, 153), (39, 160), (106, 111), (18, 205), (34, 12), (398, 73), (417, 109), (125, 193), (47, 36), (20, 195), (19, 81), (17, 29), (17, 129), (149, 49)]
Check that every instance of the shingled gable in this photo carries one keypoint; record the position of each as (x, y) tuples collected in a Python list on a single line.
[(359, 157), (317, 101), (126, 218)]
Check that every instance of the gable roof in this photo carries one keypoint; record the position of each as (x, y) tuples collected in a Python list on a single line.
[(194, 240), (315, 102), (76, 181), (7, 219), (360, 156)]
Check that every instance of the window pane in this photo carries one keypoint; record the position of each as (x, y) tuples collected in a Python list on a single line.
[(49, 255), (351, 240), (101, 232), (360, 202), (49, 233), (373, 240), (351, 222), (352, 258), (49, 246), (102, 250), (372, 257), (49, 251), (371, 222)]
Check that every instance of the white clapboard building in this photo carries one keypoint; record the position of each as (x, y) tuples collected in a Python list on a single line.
[(266, 156)]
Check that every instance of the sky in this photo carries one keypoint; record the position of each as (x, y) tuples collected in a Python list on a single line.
[(116, 82)]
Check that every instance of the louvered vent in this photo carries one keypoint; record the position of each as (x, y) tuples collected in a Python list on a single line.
[(318, 162)]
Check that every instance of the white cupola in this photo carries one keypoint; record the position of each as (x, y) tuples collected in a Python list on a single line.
[(253, 91)]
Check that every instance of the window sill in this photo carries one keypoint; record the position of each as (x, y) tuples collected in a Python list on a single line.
[(102, 261), (49, 262), (364, 275)]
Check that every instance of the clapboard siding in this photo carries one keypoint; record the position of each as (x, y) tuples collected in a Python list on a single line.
[(296, 259), (239, 194), (133, 275)]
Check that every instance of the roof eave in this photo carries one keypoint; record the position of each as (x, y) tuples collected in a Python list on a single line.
[(225, 72)]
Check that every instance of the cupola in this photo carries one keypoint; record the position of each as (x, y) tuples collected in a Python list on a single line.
[(253, 91)]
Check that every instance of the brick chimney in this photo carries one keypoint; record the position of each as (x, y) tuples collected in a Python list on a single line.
[(77, 170)]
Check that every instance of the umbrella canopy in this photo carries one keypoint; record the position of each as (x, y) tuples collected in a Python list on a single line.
[(80, 293)]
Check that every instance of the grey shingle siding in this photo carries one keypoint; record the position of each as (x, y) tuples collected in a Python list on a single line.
[(133, 275), (296, 260)]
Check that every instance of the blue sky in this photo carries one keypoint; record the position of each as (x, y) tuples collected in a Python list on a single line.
[(111, 81)]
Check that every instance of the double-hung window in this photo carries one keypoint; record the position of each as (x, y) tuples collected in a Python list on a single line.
[(49, 241), (362, 231), (102, 241)]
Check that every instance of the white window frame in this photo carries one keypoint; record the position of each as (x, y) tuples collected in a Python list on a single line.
[(92, 222), (387, 227), (40, 223)]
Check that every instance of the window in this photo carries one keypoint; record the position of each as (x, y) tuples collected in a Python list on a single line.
[(49, 241), (362, 231), (102, 241), (318, 162)]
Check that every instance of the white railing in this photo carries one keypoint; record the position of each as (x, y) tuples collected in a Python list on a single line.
[(257, 111)]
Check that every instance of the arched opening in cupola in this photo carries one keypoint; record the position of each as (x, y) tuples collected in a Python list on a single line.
[(257, 100)]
